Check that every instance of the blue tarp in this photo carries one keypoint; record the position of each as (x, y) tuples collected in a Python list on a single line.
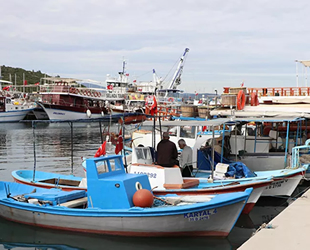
[(204, 159), (237, 169)]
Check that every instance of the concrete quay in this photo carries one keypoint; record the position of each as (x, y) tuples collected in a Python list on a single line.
[(289, 230)]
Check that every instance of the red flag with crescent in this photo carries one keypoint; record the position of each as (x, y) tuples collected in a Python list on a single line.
[(119, 143)]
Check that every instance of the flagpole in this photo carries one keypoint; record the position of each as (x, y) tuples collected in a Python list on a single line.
[(23, 83), (123, 135), (296, 61)]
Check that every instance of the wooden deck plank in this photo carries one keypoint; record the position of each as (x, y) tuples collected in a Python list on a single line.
[(75, 203)]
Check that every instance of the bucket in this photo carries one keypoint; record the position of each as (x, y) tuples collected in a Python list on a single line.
[(204, 112), (189, 110)]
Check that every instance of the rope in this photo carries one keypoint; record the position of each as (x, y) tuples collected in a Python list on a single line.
[(269, 225), (166, 202), (264, 225)]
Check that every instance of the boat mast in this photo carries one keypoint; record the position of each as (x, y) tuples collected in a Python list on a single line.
[(157, 80), (122, 74)]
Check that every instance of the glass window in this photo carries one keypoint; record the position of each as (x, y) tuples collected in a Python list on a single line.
[(102, 167), (143, 153)]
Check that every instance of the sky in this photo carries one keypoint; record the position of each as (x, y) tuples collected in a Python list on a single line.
[(230, 42)]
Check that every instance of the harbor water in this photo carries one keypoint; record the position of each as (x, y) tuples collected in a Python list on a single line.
[(52, 145)]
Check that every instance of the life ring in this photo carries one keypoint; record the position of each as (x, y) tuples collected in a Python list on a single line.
[(99, 94), (254, 99), (170, 99), (240, 100), (72, 90), (76, 91), (88, 93)]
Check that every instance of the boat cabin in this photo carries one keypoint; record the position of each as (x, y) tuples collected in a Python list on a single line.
[(109, 186), (169, 96), (195, 133), (159, 177)]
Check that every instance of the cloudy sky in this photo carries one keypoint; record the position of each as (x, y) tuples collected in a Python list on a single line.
[(230, 42)]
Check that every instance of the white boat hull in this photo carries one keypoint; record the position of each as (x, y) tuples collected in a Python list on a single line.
[(255, 195), (283, 187), (14, 115), (204, 222), (59, 114)]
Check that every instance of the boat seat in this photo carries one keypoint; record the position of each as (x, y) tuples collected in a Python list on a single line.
[(187, 183), (75, 203), (220, 170)]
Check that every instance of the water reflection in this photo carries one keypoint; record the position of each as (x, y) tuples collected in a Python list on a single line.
[(52, 146), (15, 235)]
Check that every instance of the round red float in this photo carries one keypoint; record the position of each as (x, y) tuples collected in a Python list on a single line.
[(143, 198)]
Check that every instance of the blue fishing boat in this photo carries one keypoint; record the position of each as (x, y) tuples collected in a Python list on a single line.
[(108, 206)]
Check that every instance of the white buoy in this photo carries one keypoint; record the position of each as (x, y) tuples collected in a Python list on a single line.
[(102, 113), (210, 179), (88, 113)]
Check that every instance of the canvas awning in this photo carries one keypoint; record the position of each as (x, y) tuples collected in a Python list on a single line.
[(306, 63), (215, 122)]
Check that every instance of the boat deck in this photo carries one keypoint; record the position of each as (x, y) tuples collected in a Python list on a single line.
[(289, 230)]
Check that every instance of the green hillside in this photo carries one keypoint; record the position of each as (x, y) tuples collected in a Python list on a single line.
[(32, 77)]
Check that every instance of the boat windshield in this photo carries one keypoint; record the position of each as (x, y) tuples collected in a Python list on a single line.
[(108, 165), (185, 131), (143, 153)]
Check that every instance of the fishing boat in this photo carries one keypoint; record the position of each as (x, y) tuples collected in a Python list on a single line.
[(170, 181), (121, 96), (285, 180), (163, 181), (119, 210), (13, 109)]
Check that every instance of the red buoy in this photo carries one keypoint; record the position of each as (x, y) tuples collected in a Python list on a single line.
[(143, 198)]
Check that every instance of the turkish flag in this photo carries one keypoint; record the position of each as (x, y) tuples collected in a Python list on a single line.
[(38, 83), (101, 150), (154, 106), (119, 143), (25, 82), (7, 87), (110, 87)]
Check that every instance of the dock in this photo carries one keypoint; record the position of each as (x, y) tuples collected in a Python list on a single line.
[(289, 230)]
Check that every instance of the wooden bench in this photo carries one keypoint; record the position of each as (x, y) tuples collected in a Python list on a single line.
[(75, 203)]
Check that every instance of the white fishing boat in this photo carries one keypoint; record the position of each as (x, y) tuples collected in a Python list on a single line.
[(13, 109), (284, 180)]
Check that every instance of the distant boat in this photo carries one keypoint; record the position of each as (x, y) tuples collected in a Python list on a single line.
[(12, 109), (108, 206), (62, 99)]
